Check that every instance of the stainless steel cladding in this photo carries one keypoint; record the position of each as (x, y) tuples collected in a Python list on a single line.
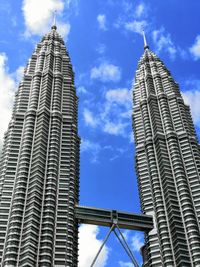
[(39, 171), (168, 166)]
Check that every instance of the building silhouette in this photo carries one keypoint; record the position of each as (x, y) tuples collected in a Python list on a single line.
[(39, 169), (168, 166)]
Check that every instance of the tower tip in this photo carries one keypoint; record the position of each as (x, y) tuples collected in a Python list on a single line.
[(145, 40), (54, 21)]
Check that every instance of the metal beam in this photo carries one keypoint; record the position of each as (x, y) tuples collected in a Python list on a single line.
[(127, 249), (104, 242), (105, 217), (126, 246)]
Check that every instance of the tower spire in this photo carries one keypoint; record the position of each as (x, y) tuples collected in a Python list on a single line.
[(54, 21), (145, 40)]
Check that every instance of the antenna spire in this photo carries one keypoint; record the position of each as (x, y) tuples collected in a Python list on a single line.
[(145, 40), (54, 20)]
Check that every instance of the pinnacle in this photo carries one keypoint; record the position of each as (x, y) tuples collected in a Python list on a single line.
[(145, 41), (54, 27)]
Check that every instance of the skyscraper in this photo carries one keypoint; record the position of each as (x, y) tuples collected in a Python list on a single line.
[(39, 170), (168, 166)]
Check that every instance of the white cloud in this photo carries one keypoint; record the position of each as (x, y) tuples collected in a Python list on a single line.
[(113, 115), (139, 10), (89, 118), (193, 83), (183, 53), (137, 241), (106, 72), (126, 234), (163, 42), (117, 111), (133, 17), (7, 89), (127, 6), (136, 26), (73, 6), (38, 16), (87, 145), (119, 22), (19, 74), (92, 148), (120, 96), (81, 90), (89, 245), (127, 114), (63, 28), (195, 49), (115, 128), (101, 48), (132, 139), (101, 18), (191, 98), (125, 264)]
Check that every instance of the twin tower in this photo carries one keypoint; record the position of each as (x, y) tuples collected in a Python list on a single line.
[(39, 168)]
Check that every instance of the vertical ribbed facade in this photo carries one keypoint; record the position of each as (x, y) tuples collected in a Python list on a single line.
[(168, 166), (39, 169)]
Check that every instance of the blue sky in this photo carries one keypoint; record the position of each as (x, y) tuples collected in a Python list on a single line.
[(105, 43)]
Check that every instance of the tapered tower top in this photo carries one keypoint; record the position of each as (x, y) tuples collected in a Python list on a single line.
[(145, 40)]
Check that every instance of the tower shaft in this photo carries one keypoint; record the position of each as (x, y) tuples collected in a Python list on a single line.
[(168, 166), (39, 178)]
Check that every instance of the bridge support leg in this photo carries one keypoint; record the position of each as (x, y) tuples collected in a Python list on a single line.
[(104, 242), (122, 241), (126, 247)]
